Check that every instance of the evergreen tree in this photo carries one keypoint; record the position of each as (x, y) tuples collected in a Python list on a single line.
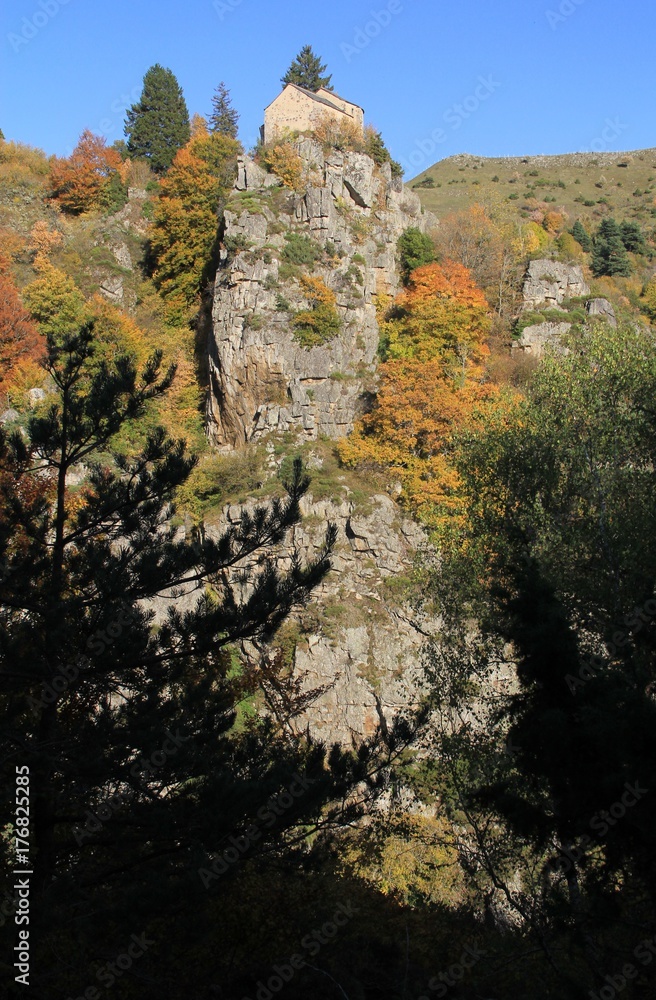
[(224, 118), (609, 256), (582, 236), (122, 702), (633, 237), (415, 249), (157, 126), (307, 71)]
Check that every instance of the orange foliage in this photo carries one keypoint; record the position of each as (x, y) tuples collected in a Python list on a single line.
[(430, 388), (553, 222), (441, 313), (78, 182), (42, 242), (19, 338)]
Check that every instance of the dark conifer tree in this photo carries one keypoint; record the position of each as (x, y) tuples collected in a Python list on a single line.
[(119, 687), (582, 236), (157, 126), (224, 118), (307, 71)]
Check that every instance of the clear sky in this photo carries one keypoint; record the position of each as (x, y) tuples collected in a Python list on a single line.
[(491, 77)]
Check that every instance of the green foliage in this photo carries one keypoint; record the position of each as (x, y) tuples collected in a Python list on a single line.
[(582, 236), (307, 71), (609, 256), (114, 195), (415, 249), (301, 250), (157, 126), (321, 323), (224, 118), (633, 237)]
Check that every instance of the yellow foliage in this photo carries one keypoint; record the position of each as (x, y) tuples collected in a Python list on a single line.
[(281, 159), (414, 858)]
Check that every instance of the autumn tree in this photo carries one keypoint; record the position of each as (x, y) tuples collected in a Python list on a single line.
[(431, 381), (20, 340), (42, 243), (54, 301), (81, 182), (307, 71), (224, 118), (157, 126), (184, 232)]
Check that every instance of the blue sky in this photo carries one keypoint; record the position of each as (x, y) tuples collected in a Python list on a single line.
[(491, 77)]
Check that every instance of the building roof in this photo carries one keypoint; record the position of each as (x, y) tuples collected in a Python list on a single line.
[(315, 97)]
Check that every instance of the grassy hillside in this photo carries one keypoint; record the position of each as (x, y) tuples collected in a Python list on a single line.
[(587, 186)]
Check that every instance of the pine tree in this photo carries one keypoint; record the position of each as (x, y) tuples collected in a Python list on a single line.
[(581, 236), (633, 237), (157, 126), (609, 256), (120, 700), (307, 71), (224, 118)]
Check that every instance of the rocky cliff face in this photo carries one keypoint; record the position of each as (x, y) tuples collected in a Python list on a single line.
[(261, 378)]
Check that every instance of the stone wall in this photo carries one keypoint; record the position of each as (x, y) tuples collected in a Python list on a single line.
[(296, 111)]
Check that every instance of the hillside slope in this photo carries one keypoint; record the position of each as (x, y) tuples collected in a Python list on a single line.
[(585, 185)]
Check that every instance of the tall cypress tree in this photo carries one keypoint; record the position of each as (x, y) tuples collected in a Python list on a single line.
[(157, 126), (307, 71), (224, 118)]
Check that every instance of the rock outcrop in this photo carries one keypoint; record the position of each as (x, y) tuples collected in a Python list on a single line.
[(357, 646), (535, 338), (548, 283), (262, 378), (601, 309)]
